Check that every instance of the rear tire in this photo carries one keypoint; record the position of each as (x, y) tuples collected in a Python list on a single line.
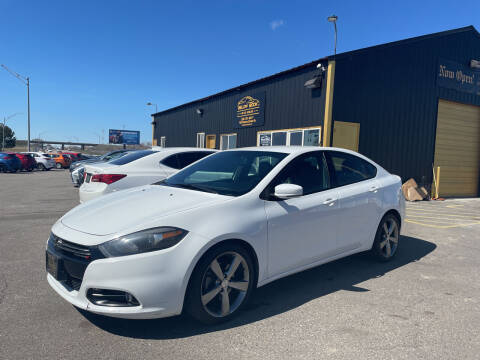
[(41, 167), (386, 241), (58, 165), (2, 168), (220, 284)]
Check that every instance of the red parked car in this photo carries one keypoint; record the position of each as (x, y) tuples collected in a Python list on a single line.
[(28, 162), (75, 156)]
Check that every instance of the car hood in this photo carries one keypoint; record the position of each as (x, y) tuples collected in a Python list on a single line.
[(135, 209)]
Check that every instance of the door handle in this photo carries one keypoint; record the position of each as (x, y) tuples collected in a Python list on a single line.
[(373, 189), (329, 202)]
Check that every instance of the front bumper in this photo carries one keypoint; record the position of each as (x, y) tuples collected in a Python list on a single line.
[(157, 280)]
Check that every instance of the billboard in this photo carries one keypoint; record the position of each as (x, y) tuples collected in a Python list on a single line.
[(128, 137)]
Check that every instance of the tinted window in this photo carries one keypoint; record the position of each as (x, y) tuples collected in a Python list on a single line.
[(135, 155), (171, 161), (350, 169), (185, 159), (279, 138), (296, 138), (227, 173), (310, 171)]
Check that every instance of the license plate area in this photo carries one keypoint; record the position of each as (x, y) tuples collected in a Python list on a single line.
[(55, 266), (88, 177)]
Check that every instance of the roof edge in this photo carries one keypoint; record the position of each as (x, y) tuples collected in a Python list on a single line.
[(409, 40), (240, 87), (330, 57)]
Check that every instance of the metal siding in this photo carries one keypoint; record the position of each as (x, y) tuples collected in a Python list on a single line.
[(391, 91), (288, 104)]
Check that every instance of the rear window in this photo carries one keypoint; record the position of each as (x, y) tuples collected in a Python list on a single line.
[(132, 157), (181, 160), (188, 158)]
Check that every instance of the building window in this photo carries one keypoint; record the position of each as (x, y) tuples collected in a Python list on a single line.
[(200, 140), (228, 141), (289, 137), (163, 141)]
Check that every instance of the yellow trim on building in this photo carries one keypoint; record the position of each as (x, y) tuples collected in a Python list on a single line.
[(154, 141), (327, 121)]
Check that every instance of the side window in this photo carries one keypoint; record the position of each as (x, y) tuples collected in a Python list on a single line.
[(309, 170), (171, 161), (185, 159), (350, 169)]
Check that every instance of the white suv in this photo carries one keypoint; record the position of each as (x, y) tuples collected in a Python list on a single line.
[(44, 162)]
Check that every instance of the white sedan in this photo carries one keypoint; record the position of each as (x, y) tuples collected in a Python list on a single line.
[(44, 162), (137, 168), (204, 238)]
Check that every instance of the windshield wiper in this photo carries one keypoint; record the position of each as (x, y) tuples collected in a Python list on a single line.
[(191, 187)]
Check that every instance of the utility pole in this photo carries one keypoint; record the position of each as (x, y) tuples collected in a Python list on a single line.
[(25, 81)]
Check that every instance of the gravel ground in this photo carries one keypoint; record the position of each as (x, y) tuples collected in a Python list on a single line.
[(423, 305)]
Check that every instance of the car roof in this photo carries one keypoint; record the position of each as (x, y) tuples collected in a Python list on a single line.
[(180, 149), (292, 149)]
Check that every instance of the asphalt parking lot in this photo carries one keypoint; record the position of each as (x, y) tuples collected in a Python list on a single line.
[(425, 304)]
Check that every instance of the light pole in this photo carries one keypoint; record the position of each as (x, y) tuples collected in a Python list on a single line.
[(4, 121), (333, 19), (151, 104), (26, 81)]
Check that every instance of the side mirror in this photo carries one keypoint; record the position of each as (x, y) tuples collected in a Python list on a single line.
[(288, 191)]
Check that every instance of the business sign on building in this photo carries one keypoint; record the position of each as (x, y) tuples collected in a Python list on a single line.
[(250, 111), (128, 137), (457, 76)]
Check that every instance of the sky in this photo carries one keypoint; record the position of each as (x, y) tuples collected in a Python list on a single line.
[(94, 65)]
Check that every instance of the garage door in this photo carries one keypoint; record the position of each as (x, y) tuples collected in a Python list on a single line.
[(457, 148)]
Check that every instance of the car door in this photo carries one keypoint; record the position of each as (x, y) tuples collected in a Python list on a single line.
[(359, 197), (301, 230)]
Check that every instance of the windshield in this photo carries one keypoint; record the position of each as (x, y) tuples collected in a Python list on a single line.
[(134, 155), (227, 173)]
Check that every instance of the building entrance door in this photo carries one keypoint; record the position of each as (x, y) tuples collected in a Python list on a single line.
[(211, 141)]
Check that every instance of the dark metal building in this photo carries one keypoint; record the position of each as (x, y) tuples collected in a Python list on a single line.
[(413, 106)]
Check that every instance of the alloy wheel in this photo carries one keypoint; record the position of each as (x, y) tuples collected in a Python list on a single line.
[(390, 234), (225, 284)]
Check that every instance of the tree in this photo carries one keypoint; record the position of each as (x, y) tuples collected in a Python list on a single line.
[(10, 139)]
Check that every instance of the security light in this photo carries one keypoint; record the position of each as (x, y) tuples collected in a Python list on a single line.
[(332, 18), (314, 83), (199, 111)]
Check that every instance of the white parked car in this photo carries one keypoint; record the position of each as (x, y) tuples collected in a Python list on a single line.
[(44, 161), (137, 168), (205, 237)]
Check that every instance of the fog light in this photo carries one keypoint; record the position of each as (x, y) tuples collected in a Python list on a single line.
[(113, 298)]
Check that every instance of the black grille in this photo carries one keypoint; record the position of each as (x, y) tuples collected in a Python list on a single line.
[(69, 248)]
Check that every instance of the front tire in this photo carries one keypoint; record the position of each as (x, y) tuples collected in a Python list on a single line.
[(221, 284), (385, 245), (58, 165), (41, 167)]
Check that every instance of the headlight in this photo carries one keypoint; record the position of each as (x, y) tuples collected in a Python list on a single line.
[(143, 241)]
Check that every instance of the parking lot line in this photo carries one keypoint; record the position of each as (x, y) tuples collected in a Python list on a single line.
[(446, 216), (441, 215), (441, 226)]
